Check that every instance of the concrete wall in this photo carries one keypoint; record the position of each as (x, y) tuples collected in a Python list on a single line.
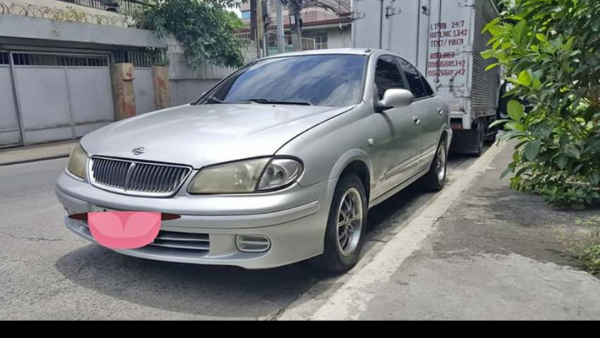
[(187, 84), (121, 76), (188, 90), (44, 29), (337, 38)]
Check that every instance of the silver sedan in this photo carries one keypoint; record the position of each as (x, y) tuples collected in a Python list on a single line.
[(278, 163)]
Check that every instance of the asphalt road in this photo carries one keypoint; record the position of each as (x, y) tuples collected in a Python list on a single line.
[(46, 272)]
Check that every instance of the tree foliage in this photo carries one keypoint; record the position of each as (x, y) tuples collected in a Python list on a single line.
[(550, 49), (205, 28)]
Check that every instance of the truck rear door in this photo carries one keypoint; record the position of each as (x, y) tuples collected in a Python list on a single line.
[(449, 51)]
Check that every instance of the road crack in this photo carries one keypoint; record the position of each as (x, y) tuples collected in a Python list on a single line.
[(79, 270)]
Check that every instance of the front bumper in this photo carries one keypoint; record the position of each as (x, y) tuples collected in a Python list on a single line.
[(294, 220)]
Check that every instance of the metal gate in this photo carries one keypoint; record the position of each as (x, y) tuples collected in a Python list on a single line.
[(61, 96), (142, 78), (10, 133), (144, 90), (143, 85)]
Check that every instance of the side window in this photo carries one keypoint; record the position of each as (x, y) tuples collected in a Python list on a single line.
[(418, 85), (428, 90), (388, 76)]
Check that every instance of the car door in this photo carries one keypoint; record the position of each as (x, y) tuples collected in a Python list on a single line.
[(428, 108), (398, 130)]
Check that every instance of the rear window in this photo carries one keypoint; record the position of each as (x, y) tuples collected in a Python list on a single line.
[(418, 85)]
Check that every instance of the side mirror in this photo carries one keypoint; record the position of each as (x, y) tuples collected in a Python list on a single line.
[(396, 98)]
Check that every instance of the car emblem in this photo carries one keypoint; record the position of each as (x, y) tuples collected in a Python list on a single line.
[(139, 151)]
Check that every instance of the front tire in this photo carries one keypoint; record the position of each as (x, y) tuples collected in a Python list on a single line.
[(346, 226)]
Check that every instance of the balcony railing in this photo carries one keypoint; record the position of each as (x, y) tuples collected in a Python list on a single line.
[(126, 7)]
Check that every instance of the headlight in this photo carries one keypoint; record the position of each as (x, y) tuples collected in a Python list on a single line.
[(246, 176), (279, 173), (77, 162)]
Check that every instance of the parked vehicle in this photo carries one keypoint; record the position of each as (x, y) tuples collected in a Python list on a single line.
[(443, 39), (276, 164)]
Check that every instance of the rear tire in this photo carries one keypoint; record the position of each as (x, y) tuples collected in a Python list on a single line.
[(480, 139), (346, 226), (436, 178)]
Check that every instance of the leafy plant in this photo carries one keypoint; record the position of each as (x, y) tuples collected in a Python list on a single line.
[(205, 28), (549, 49)]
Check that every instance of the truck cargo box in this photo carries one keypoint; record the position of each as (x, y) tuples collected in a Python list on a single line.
[(443, 39)]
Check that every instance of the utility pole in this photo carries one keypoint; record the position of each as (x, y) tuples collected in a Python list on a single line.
[(254, 26), (280, 33), (260, 28), (296, 23)]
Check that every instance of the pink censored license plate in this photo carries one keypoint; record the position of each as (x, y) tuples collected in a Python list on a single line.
[(124, 229)]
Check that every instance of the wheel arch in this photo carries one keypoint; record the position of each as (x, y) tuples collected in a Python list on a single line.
[(356, 162)]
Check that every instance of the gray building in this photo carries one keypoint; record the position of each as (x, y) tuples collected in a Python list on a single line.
[(62, 74), (327, 24)]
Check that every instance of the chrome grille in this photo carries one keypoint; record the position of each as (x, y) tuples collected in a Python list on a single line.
[(137, 178)]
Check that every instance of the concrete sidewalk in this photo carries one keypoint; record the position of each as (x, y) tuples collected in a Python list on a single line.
[(493, 254), (36, 152)]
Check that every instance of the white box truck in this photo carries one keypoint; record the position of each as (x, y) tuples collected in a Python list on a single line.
[(443, 39)]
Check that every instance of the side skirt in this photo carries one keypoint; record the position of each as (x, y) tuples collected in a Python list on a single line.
[(398, 188)]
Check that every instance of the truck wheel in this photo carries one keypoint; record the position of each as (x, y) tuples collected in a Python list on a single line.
[(480, 139), (491, 137), (436, 178), (346, 226)]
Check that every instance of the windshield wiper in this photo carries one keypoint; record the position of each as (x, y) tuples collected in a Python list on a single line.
[(212, 100), (269, 101)]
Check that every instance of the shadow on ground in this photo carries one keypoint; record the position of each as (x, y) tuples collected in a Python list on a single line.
[(216, 291)]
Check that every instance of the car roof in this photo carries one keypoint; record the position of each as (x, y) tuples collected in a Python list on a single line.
[(336, 51), (348, 51)]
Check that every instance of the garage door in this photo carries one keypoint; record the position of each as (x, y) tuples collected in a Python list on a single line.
[(62, 96), (10, 133)]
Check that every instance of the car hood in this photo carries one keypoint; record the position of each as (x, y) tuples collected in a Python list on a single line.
[(201, 135)]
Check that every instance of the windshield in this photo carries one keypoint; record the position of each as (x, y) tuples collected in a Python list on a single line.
[(320, 80)]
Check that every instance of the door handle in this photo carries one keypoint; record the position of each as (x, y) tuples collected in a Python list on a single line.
[(416, 120), (440, 111)]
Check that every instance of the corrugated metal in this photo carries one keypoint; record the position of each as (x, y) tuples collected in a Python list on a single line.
[(484, 91)]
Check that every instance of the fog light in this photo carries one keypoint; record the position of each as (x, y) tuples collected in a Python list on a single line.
[(252, 243)]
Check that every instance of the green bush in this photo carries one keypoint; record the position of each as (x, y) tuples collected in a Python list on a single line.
[(550, 51), (204, 27)]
